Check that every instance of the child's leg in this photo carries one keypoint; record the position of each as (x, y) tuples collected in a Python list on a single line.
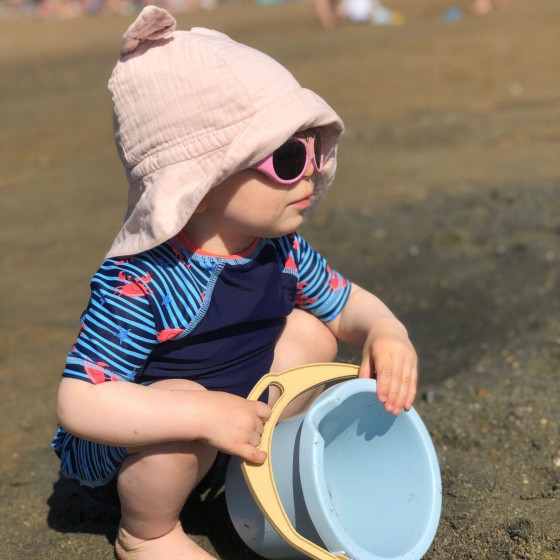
[(304, 340), (481, 6), (155, 481), (325, 13), (154, 484)]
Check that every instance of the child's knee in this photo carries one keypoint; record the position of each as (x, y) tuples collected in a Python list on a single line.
[(179, 463), (311, 336), (171, 457), (327, 342), (305, 340)]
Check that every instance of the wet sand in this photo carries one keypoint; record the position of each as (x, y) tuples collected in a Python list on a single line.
[(446, 206)]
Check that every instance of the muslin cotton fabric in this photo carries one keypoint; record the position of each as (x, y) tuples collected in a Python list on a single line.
[(190, 109)]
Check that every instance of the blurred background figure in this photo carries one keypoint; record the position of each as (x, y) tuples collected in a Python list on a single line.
[(484, 6), (331, 12), (66, 9)]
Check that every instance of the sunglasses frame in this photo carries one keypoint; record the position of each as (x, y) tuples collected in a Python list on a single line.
[(266, 165)]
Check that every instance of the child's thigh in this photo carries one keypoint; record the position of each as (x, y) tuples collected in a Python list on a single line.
[(304, 340), (171, 466), (173, 447), (177, 385)]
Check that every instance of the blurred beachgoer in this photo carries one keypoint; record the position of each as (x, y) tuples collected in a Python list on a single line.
[(208, 286), (484, 6), (67, 9), (60, 9), (355, 11)]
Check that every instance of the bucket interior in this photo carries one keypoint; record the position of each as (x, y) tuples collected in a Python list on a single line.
[(379, 475)]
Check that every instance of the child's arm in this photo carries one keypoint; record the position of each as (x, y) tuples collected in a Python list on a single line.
[(387, 353), (126, 414)]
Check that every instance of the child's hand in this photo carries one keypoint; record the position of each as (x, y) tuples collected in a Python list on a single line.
[(387, 353), (390, 357), (233, 425)]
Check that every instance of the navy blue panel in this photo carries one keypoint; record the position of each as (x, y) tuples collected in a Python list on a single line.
[(233, 345)]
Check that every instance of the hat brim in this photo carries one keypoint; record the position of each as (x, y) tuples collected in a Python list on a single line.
[(160, 205)]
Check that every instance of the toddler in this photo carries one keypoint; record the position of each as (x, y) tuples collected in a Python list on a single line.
[(207, 286)]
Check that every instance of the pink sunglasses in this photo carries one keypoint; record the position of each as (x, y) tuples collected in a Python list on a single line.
[(287, 164)]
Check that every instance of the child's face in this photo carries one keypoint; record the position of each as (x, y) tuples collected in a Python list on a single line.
[(248, 205)]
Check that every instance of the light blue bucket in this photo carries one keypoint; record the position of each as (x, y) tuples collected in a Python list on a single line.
[(352, 478)]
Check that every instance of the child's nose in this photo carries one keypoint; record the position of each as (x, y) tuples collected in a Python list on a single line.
[(309, 170)]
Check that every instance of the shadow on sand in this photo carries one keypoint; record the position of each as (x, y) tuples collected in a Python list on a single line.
[(205, 517)]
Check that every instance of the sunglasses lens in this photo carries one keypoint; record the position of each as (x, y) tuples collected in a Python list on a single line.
[(289, 160)]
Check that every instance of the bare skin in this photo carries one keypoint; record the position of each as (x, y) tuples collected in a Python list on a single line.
[(173, 429), (481, 7), (155, 482)]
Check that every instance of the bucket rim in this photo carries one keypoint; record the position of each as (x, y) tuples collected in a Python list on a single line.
[(314, 484)]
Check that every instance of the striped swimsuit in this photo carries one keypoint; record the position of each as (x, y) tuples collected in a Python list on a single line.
[(175, 312)]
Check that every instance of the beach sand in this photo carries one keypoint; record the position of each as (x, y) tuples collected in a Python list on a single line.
[(445, 205)]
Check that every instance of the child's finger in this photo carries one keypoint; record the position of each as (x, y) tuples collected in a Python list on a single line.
[(255, 438), (252, 454), (412, 390), (383, 370), (408, 384), (263, 410), (395, 384), (366, 369)]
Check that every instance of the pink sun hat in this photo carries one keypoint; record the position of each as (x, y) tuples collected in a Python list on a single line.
[(192, 108)]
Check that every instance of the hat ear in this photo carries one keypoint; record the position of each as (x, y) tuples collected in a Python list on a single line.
[(152, 23)]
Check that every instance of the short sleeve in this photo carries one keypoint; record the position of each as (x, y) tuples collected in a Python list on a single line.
[(320, 289), (118, 330)]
